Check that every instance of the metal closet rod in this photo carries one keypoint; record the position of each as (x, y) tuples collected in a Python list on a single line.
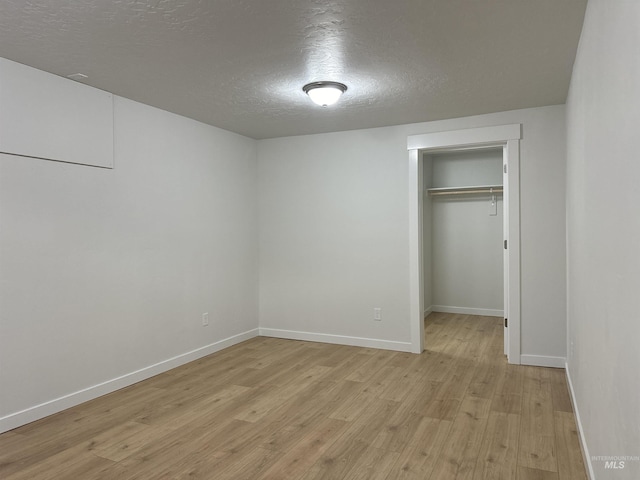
[(465, 191)]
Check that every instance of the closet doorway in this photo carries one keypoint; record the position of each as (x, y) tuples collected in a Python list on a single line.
[(463, 232), (453, 177)]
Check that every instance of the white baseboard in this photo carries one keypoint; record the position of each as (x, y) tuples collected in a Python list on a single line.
[(428, 310), (336, 339), (486, 312), (37, 412), (583, 442), (543, 361)]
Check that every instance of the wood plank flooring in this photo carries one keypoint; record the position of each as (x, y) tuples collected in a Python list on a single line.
[(282, 409)]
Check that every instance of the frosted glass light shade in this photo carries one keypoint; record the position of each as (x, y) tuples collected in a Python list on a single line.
[(324, 93)]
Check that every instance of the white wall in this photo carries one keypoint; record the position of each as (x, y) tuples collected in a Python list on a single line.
[(334, 230), (468, 168), (603, 237), (105, 272), (333, 235)]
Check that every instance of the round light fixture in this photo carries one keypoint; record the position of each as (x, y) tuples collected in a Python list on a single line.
[(324, 93)]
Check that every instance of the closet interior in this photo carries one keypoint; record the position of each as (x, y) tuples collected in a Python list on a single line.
[(463, 232)]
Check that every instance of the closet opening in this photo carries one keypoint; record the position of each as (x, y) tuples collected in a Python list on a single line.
[(465, 228), (463, 232)]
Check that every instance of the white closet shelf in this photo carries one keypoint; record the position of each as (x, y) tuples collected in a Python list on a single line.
[(475, 189)]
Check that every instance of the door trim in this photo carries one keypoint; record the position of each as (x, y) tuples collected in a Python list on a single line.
[(505, 136)]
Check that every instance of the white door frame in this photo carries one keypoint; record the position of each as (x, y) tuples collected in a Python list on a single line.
[(504, 136)]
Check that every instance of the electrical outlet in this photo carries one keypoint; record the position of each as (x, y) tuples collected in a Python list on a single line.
[(377, 314), (205, 319)]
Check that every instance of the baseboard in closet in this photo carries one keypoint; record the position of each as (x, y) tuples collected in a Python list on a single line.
[(543, 361), (486, 312)]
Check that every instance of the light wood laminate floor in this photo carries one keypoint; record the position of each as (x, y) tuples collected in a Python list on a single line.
[(284, 409)]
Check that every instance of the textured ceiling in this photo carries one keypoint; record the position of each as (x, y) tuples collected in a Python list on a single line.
[(241, 64)]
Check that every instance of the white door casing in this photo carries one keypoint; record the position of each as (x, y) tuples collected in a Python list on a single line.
[(508, 138)]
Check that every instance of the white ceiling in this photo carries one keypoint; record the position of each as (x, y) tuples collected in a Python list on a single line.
[(241, 64)]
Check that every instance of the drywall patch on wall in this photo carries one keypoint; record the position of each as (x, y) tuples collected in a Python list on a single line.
[(49, 117)]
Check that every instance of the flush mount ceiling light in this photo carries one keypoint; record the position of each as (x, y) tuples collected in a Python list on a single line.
[(324, 93)]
